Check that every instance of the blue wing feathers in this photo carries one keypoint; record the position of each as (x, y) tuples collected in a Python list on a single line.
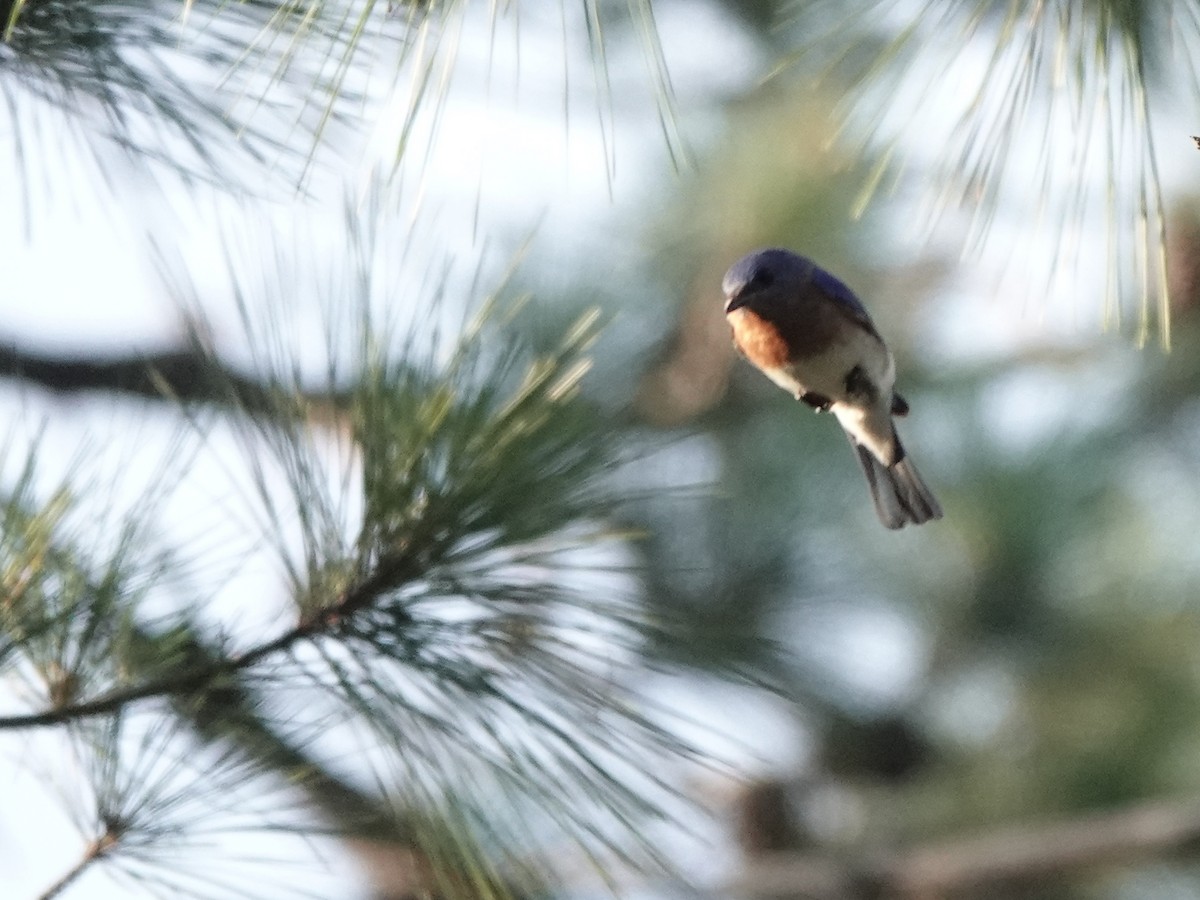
[(836, 290)]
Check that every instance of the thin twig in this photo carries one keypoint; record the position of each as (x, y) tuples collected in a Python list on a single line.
[(94, 851)]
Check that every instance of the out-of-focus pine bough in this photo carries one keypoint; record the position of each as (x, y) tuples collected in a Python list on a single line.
[(464, 626)]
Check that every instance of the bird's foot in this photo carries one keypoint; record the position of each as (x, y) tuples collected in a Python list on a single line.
[(817, 401)]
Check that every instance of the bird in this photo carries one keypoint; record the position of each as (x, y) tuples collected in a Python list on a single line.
[(807, 332)]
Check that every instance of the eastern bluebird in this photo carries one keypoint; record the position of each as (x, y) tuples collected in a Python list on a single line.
[(808, 333)]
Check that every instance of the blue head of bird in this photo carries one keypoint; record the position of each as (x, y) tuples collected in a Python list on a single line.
[(752, 277)]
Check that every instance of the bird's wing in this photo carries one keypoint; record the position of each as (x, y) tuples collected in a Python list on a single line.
[(841, 295)]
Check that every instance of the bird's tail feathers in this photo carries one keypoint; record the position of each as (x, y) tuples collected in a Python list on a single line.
[(900, 494)]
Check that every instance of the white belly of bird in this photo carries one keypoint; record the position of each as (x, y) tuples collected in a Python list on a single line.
[(825, 374)]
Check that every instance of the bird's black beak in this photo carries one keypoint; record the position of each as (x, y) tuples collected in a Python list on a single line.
[(737, 301)]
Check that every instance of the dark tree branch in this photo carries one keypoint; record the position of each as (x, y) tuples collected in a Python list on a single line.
[(186, 374), (1013, 855)]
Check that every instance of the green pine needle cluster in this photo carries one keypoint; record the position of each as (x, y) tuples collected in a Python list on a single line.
[(1034, 120)]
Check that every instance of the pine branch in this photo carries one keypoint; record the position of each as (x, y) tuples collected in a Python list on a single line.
[(187, 682), (198, 679)]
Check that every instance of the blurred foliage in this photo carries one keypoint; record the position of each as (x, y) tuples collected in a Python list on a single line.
[(1052, 618), (136, 87), (242, 96)]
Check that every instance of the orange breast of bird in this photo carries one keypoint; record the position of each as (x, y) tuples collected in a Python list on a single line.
[(759, 339)]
